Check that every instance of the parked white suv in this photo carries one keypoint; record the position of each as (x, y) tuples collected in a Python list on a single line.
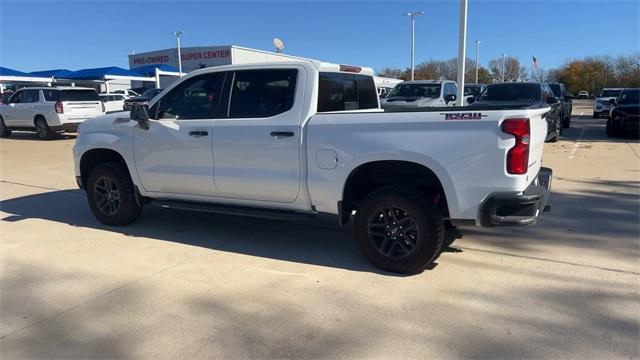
[(113, 102), (421, 94), (48, 110), (602, 104)]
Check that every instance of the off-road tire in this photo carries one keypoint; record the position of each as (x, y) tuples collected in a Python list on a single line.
[(611, 131), (558, 132), (4, 132), (43, 131), (127, 209), (428, 237)]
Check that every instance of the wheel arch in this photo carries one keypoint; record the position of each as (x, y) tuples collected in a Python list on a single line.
[(94, 157), (372, 175)]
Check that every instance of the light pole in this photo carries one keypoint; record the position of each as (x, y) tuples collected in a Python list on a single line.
[(413, 30), (462, 52), (503, 61), (477, 57), (178, 34)]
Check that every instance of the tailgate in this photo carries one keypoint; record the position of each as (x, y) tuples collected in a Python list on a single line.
[(82, 109)]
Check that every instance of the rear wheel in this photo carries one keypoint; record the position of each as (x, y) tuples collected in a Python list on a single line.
[(4, 131), (399, 229), (567, 122), (611, 130), (557, 132), (111, 195), (43, 132)]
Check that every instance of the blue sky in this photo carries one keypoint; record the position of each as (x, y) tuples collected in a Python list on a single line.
[(38, 35)]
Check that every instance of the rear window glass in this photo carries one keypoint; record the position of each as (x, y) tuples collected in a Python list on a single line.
[(340, 91), (556, 89), (78, 95), (511, 92)]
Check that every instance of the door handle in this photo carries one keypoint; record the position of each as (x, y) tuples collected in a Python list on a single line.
[(281, 134), (198, 133)]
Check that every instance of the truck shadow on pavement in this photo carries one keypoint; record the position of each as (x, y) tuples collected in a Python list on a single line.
[(602, 216), (319, 243)]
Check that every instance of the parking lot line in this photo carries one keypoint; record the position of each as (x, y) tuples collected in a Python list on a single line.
[(575, 147)]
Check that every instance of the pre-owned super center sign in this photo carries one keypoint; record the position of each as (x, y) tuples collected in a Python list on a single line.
[(192, 57)]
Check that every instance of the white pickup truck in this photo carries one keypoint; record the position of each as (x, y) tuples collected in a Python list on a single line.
[(302, 138)]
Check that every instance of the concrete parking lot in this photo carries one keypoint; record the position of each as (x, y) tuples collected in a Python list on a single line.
[(189, 285)]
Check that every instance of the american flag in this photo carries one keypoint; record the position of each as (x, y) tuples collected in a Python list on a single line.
[(535, 63)]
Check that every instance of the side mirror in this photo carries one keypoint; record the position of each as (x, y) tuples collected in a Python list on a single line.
[(449, 98), (471, 100), (551, 100), (612, 101), (140, 113)]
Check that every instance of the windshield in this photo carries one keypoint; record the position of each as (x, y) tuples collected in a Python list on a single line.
[(474, 90), (630, 97), (416, 90), (511, 92), (152, 92), (609, 93), (556, 89)]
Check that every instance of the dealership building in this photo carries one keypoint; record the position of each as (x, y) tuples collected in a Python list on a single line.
[(200, 57)]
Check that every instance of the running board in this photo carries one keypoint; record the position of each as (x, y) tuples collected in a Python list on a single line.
[(234, 210)]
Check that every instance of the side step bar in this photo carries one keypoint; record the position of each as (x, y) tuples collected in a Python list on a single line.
[(234, 210)]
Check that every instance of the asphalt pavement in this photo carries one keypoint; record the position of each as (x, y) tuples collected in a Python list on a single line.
[(188, 285)]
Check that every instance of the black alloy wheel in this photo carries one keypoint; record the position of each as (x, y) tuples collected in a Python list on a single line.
[(393, 232)]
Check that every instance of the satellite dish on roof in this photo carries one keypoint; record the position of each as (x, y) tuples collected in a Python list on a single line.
[(279, 44)]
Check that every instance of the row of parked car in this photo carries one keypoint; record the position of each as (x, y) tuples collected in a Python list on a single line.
[(622, 109), (442, 93), (51, 110)]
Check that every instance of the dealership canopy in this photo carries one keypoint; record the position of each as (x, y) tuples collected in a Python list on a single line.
[(150, 70), (57, 73), (107, 73), (10, 75)]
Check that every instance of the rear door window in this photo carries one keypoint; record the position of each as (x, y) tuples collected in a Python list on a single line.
[(79, 95), (340, 91), (31, 96), (262, 93), (50, 95)]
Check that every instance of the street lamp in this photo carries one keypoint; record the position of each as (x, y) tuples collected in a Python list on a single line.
[(413, 30), (178, 34), (503, 61), (477, 56), (462, 52)]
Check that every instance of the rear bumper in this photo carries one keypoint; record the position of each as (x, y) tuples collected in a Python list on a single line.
[(518, 209), (72, 127)]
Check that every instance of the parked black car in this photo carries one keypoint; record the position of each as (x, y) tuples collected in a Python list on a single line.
[(527, 94), (625, 114), (142, 99), (560, 91)]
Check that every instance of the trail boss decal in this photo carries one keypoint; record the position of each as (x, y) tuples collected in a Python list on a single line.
[(463, 116)]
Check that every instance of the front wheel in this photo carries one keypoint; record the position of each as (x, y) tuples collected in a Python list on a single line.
[(111, 195), (399, 229), (4, 131), (611, 130)]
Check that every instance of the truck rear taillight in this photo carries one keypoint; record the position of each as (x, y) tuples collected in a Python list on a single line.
[(350, 68), (59, 108), (518, 155)]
